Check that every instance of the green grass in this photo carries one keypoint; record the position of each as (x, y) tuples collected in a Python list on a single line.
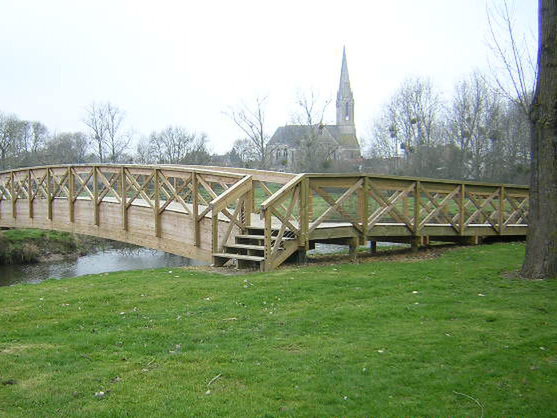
[(20, 235), (348, 340)]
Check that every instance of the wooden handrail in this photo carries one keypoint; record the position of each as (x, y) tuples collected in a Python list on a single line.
[(237, 190), (183, 169), (280, 193)]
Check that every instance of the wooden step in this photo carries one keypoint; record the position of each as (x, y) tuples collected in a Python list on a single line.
[(239, 256), (261, 237), (246, 247)]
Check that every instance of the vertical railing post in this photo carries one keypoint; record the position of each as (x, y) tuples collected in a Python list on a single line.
[(501, 220), (268, 244), (215, 231), (96, 196), (30, 194), (71, 193), (123, 198), (416, 237), (363, 211), (303, 240), (248, 205), (13, 194), (195, 210), (157, 204), (48, 194), (417, 208), (462, 208)]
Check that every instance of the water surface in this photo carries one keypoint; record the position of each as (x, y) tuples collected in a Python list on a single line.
[(101, 262)]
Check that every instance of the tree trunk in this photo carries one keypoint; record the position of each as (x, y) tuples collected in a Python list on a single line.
[(541, 245)]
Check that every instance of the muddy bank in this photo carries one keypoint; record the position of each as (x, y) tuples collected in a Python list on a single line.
[(27, 246)]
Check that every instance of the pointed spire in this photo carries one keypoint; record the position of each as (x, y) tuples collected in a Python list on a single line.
[(345, 98), (344, 87)]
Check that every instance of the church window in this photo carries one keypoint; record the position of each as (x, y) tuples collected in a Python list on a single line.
[(347, 111)]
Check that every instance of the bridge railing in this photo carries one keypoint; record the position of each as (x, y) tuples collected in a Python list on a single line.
[(159, 188), (378, 206)]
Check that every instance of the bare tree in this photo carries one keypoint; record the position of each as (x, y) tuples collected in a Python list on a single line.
[(316, 148), (243, 154), (95, 120), (174, 145), (104, 122), (117, 141), (514, 66), (473, 123), (410, 126), (541, 246), (66, 148), (251, 121)]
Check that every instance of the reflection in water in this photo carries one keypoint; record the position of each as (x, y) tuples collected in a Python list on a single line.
[(101, 262)]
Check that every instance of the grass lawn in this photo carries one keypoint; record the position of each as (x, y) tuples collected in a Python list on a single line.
[(448, 337)]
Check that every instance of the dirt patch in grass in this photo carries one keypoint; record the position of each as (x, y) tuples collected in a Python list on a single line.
[(404, 255), (18, 348)]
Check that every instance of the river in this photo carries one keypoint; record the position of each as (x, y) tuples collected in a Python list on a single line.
[(100, 262), (108, 261)]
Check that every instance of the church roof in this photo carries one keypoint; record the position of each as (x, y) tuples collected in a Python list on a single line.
[(291, 135)]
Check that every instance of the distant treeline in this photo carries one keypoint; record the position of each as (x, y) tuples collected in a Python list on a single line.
[(477, 134)]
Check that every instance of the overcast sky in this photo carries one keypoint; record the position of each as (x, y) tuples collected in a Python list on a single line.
[(187, 62)]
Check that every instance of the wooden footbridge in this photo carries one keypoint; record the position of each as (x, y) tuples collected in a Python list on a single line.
[(251, 217)]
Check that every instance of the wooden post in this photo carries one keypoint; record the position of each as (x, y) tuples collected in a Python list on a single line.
[(415, 244), (416, 237), (462, 208), (71, 194), (353, 248), (195, 201), (30, 194), (310, 206), (157, 204), (248, 205), (215, 231), (363, 209), (124, 198), (501, 209), (268, 244), (48, 195), (96, 196), (12, 192), (417, 208), (304, 219)]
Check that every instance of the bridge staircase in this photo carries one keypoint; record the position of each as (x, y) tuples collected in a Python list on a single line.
[(248, 249)]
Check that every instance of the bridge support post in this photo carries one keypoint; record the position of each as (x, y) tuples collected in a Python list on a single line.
[(301, 256), (415, 244), (353, 247)]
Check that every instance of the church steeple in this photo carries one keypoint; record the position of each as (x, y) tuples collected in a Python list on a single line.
[(345, 99)]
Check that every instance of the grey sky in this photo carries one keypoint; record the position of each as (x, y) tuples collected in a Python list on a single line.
[(186, 62)]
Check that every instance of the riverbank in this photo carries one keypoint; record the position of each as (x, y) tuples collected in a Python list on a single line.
[(27, 246), (447, 336), (20, 246)]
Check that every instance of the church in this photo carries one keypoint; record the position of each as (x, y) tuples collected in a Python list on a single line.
[(319, 147)]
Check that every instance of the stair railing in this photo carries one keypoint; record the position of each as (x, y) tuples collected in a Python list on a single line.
[(286, 213), (234, 206)]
